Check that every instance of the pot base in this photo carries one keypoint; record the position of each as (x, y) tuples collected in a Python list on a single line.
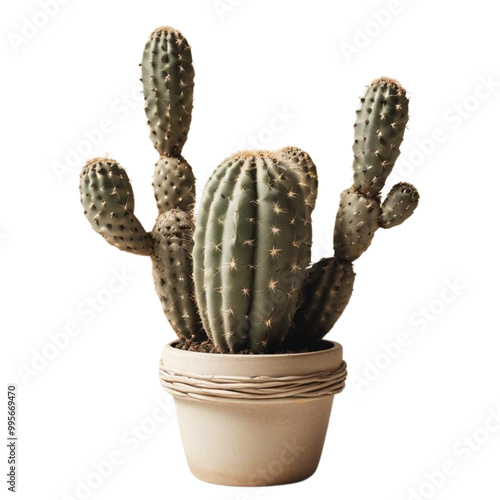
[(253, 444)]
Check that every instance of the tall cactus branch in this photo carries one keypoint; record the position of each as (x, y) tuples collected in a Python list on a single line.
[(378, 133), (108, 199)]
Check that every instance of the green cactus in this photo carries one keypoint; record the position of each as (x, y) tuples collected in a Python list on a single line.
[(398, 205), (174, 184), (172, 268), (328, 289), (378, 134), (252, 245), (168, 81), (108, 199), (242, 273), (355, 225), (108, 202), (302, 162)]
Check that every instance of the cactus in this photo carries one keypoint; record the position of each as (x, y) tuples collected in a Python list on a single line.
[(252, 245), (108, 202), (168, 81), (328, 289), (241, 274), (108, 199), (355, 225), (378, 134), (379, 131), (172, 268), (398, 205), (303, 163), (174, 184)]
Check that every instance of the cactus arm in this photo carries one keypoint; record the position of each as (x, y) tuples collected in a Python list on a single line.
[(108, 202), (355, 225), (378, 133), (174, 184), (172, 271), (168, 80), (399, 205), (328, 289)]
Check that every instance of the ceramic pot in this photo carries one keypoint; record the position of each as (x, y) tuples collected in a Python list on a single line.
[(253, 420)]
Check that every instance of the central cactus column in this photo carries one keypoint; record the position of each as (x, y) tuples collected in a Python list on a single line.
[(252, 247)]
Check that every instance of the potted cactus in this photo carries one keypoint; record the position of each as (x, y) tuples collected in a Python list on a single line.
[(252, 377)]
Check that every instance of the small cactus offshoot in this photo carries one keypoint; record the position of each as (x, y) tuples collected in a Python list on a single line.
[(240, 275)]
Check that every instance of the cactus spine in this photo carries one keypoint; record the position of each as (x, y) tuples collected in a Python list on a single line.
[(242, 273)]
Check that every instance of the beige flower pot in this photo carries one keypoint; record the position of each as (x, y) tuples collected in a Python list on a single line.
[(253, 420)]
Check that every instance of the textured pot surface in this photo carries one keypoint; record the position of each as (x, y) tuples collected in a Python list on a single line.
[(253, 442)]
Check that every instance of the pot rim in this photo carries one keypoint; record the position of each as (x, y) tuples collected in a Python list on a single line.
[(182, 352), (252, 365)]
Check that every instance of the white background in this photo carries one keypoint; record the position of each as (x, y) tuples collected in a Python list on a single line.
[(435, 278)]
